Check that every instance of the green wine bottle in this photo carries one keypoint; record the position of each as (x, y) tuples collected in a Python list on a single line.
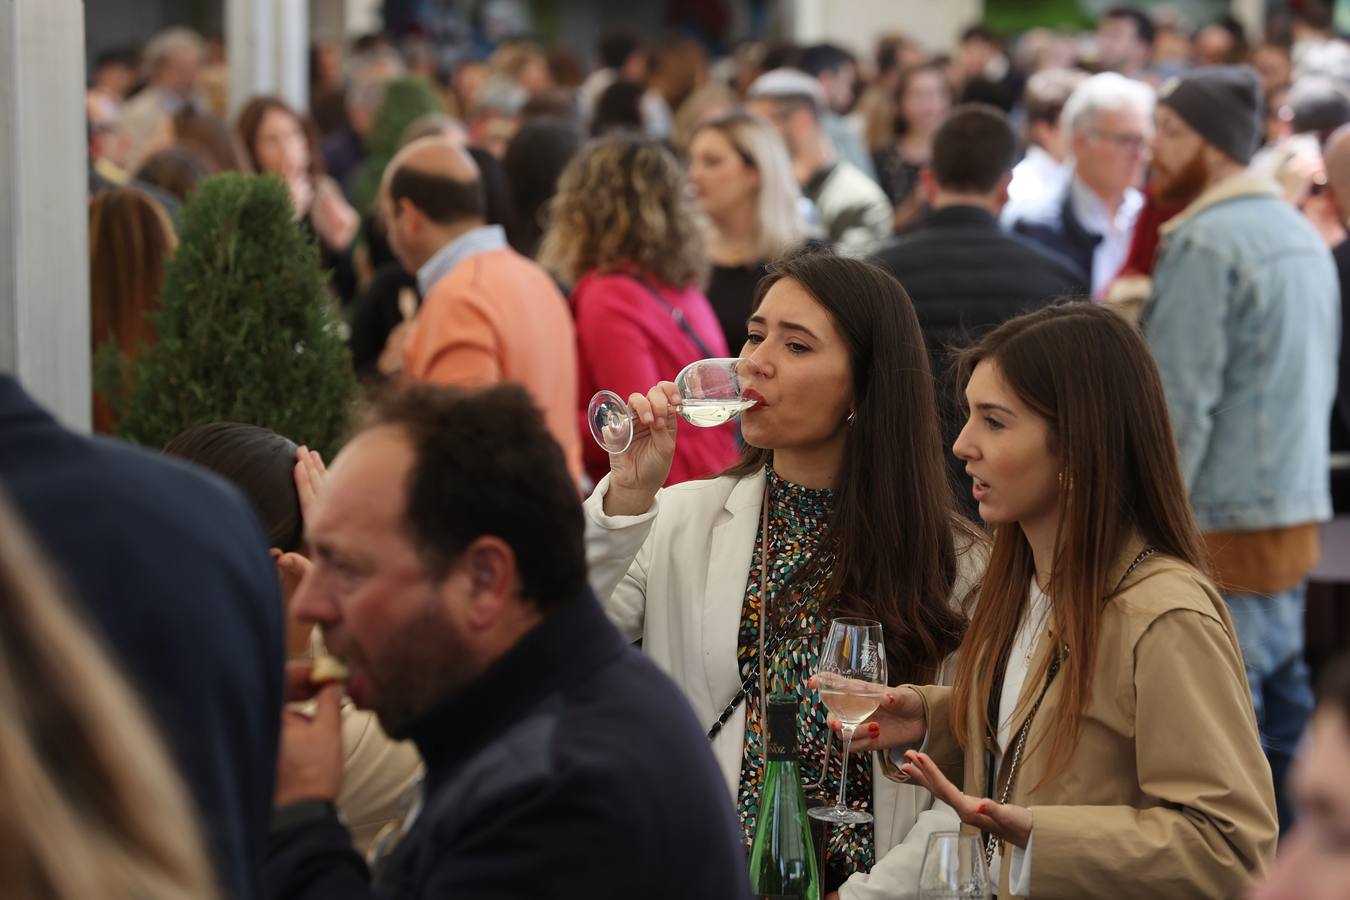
[(782, 858)]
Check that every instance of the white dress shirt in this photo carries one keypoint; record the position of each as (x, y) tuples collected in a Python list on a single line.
[(1116, 231), (1038, 176)]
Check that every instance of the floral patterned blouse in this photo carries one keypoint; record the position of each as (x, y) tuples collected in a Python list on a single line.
[(797, 519)]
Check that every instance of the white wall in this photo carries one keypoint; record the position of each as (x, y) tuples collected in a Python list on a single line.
[(856, 24), (44, 220)]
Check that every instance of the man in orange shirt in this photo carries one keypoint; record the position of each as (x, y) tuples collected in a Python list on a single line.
[(489, 315)]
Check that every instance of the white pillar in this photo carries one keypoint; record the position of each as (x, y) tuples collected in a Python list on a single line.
[(1252, 15), (250, 49), (267, 44), (292, 49), (44, 219), (855, 24)]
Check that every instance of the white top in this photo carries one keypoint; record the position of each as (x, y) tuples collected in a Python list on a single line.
[(1019, 660), (1037, 176), (1117, 231)]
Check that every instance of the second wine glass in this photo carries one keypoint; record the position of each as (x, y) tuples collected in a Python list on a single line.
[(711, 393), (851, 680), (953, 868)]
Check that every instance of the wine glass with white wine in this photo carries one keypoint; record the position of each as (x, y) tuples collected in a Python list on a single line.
[(710, 394), (851, 680), (953, 868)]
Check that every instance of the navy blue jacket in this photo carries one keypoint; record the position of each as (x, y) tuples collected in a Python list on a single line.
[(171, 566), (571, 768), (1055, 226)]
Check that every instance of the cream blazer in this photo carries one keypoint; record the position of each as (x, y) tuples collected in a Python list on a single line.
[(675, 578)]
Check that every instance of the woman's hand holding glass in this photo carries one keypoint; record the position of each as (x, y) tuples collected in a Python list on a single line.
[(900, 721), (639, 472)]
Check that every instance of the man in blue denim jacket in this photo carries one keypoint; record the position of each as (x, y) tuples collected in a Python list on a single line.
[(1245, 325)]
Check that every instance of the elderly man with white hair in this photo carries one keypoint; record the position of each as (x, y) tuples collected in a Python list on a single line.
[(1108, 124), (172, 62)]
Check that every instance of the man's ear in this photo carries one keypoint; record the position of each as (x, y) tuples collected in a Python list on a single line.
[(928, 184), (1077, 143), (489, 567), (408, 215), (1001, 192)]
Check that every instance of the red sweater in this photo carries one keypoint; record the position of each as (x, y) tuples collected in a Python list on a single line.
[(627, 341)]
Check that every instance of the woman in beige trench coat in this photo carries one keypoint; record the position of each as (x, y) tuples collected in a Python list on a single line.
[(1100, 682)]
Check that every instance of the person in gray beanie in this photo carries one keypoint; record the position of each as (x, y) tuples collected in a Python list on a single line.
[(1222, 104), (1245, 325)]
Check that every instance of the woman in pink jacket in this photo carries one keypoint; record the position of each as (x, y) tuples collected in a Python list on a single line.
[(625, 231)]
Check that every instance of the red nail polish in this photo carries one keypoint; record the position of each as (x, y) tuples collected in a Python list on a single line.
[(982, 808)]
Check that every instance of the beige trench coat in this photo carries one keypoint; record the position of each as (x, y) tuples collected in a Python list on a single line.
[(1168, 793)]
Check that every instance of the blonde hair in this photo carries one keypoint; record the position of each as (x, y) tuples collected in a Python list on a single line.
[(623, 202), (779, 225), (93, 807)]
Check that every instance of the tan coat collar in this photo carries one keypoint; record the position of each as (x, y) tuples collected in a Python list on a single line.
[(1129, 552), (1244, 184)]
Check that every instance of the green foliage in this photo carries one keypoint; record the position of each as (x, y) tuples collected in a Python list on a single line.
[(1008, 17), (405, 101), (247, 330)]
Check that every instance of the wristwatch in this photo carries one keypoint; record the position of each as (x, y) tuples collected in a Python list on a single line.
[(301, 812)]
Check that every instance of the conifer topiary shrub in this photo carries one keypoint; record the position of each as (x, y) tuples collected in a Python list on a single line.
[(247, 330)]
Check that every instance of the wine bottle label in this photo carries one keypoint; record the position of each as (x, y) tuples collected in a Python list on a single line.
[(781, 739)]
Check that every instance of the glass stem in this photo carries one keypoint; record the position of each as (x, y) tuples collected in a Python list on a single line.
[(847, 731)]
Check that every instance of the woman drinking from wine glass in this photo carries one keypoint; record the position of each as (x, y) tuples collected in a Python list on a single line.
[(1099, 730), (838, 507)]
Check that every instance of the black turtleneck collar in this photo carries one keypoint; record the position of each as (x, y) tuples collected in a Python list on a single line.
[(960, 216), (571, 642)]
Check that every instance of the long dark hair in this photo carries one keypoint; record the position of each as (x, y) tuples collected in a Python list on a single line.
[(891, 528), (250, 123), (1090, 375)]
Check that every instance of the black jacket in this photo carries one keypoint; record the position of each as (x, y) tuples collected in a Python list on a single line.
[(966, 277), (571, 768), (375, 314), (171, 566)]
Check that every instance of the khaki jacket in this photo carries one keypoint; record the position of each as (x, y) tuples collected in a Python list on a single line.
[(1168, 793)]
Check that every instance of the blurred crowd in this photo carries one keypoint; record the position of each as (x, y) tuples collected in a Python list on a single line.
[(842, 162), (571, 222)]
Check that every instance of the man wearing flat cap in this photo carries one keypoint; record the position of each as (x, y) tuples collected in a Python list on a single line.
[(1245, 325)]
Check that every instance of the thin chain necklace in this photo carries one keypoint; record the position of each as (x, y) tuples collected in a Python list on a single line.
[(1039, 628)]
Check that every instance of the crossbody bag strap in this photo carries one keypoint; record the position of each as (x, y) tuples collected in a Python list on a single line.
[(677, 315), (757, 669), (1018, 746)]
